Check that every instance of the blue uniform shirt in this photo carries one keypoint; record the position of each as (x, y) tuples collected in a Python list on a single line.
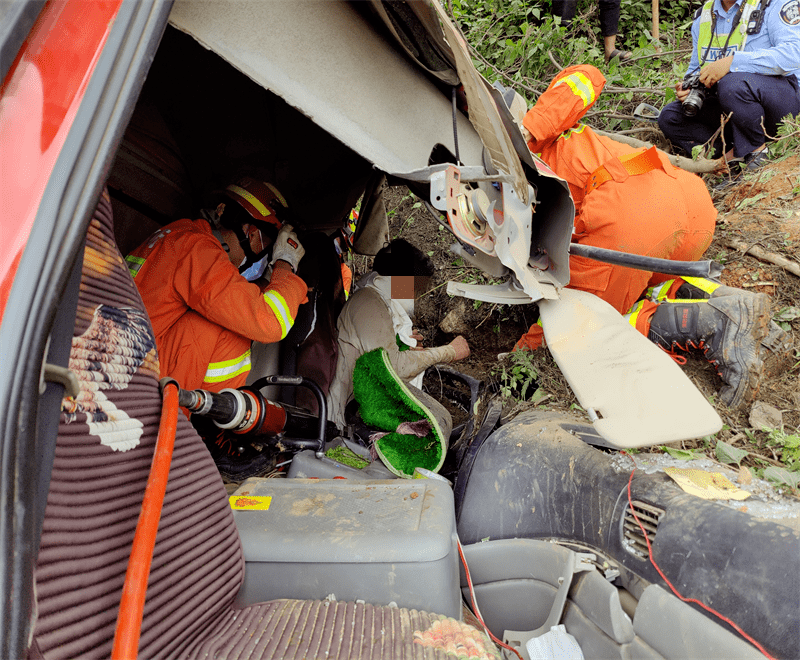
[(774, 51)]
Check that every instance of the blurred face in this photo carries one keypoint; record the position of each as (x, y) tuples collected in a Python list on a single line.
[(409, 287), (402, 287)]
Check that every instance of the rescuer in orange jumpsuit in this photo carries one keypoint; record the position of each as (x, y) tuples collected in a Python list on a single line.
[(193, 278), (634, 200)]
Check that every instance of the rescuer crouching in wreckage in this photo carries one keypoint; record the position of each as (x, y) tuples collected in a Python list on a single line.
[(634, 200), (196, 278)]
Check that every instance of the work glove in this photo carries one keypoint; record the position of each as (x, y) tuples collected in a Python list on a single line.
[(287, 248)]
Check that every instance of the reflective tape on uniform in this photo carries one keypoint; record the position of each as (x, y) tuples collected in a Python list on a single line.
[(705, 285), (134, 264), (257, 205), (581, 86), (572, 131), (633, 314), (277, 304), (660, 291), (220, 371)]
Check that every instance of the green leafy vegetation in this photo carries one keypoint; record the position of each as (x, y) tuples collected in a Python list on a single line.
[(516, 374), (684, 454), (522, 45)]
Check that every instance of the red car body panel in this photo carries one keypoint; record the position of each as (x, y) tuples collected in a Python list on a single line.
[(39, 99)]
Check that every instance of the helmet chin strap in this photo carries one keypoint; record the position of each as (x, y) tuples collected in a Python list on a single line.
[(250, 257)]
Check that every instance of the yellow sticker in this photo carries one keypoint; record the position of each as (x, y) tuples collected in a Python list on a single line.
[(708, 485), (250, 502)]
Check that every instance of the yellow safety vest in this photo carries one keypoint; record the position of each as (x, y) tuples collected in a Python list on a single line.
[(720, 45)]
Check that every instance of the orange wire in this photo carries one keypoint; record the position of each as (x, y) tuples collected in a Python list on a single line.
[(669, 584), (476, 610), (131, 607)]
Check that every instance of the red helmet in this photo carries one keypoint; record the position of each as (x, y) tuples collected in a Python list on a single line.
[(260, 199)]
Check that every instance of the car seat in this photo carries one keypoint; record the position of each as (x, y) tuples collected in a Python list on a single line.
[(103, 455)]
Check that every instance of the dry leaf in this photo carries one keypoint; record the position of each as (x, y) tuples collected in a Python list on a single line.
[(745, 477)]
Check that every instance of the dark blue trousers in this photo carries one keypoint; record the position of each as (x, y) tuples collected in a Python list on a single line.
[(609, 14), (753, 99)]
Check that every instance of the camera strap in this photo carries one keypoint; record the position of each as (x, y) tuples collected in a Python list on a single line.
[(733, 29)]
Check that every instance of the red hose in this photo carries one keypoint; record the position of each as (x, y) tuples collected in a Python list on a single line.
[(131, 607)]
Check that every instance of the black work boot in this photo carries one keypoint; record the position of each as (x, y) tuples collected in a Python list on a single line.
[(729, 330)]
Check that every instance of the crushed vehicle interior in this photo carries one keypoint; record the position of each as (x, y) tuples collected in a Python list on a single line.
[(538, 522)]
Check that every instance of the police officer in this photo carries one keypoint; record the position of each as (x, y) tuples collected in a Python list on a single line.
[(746, 56)]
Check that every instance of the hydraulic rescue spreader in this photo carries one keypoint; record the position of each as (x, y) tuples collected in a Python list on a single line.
[(247, 412)]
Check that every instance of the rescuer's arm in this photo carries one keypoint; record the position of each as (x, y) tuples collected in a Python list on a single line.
[(212, 286), (566, 100), (781, 53)]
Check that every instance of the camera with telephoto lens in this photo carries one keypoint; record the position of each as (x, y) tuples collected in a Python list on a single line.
[(694, 101)]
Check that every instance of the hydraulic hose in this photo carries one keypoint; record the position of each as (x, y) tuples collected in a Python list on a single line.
[(131, 607), (709, 269)]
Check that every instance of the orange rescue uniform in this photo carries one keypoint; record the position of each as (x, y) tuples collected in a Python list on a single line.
[(626, 199), (204, 313)]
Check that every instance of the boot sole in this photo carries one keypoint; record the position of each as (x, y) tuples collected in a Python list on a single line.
[(746, 348)]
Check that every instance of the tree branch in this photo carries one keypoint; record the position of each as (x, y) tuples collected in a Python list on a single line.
[(613, 89), (700, 166), (759, 253), (653, 55)]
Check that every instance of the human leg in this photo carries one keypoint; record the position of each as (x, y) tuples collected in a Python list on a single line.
[(200, 354), (609, 27), (758, 104), (565, 9), (609, 17), (689, 132)]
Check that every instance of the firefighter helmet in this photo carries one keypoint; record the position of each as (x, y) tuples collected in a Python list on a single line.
[(260, 199)]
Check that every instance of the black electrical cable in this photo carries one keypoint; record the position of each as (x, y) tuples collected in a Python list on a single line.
[(708, 269)]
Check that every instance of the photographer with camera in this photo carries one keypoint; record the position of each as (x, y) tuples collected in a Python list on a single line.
[(745, 64)]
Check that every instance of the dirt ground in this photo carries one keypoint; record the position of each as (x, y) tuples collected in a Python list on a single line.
[(762, 214)]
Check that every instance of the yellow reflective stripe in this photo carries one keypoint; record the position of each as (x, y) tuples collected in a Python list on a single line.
[(277, 194), (277, 304), (134, 264), (705, 285), (573, 131), (633, 314), (659, 292), (263, 210), (581, 86), (219, 371)]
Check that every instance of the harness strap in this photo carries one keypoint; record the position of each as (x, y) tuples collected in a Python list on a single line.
[(634, 164)]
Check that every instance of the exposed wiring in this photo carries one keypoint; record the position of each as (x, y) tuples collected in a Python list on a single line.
[(475, 610), (670, 585)]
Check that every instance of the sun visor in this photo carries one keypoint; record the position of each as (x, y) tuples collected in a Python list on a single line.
[(328, 61)]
